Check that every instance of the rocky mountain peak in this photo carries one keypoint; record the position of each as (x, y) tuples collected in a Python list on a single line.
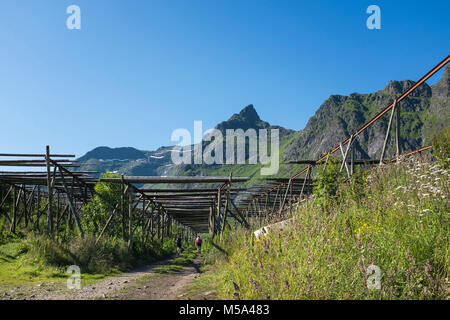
[(245, 119), (442, 87), (395, 87)]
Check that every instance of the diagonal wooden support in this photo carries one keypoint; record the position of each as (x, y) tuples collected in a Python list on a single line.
[(71, 204), (284, 198), (235, 216), (345, 155), (4, 200), (246, 224), (397, 131), (275, 201), (226, 204), (130, 217), (304, 181)]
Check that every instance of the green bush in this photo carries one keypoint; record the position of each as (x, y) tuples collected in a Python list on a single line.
[(327, 183), (44, 250)]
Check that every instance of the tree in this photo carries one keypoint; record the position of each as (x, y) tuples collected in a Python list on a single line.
[(96, 213)]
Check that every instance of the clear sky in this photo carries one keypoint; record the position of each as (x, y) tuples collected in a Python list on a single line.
[(137, 70)]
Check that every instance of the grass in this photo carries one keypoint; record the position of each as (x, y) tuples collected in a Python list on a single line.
[(17, 268), (176, 264), (396, 218), (207, 282), (38, 259)]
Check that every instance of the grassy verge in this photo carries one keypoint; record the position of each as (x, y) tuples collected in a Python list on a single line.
[(34, 260), (394, 219), (176, 264)]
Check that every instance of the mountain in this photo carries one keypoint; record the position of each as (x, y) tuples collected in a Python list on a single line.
[(130, 161), (423, 112), (106, 153), (246, 119)]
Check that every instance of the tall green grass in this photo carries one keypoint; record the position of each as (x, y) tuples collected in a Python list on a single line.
[(395, 217), (106, 256)]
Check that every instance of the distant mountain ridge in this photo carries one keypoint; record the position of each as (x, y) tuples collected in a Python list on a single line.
[(106, 153), (423, 112)]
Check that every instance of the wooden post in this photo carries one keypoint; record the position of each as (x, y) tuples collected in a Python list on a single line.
[(284, 198), (152, 227), (163, 229), (246, 224), (290, 200), (71, 204), (122, 210), (4, 200), (58, 211), (38, 211), (397, 131), (387, 132), (304, 183), (275, 201), (211, 220), (260, 215), (50, 193), (352, 166), (219, 205), (130, 216), (344, 156), (25, 211), (14, 217), (159, 223), (226, 204)]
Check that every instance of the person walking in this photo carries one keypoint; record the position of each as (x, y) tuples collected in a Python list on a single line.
[(198, 243), (179, 244)]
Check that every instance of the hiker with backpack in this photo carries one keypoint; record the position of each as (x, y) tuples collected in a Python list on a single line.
[(179, 244), (198, 243)]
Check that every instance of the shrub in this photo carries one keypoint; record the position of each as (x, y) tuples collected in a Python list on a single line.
[(327, 183), (48, 252)]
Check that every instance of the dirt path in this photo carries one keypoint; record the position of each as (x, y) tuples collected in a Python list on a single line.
[(141, 284), (170, 286)]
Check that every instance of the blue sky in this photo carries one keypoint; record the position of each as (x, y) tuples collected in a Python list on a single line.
[(137, 70)]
